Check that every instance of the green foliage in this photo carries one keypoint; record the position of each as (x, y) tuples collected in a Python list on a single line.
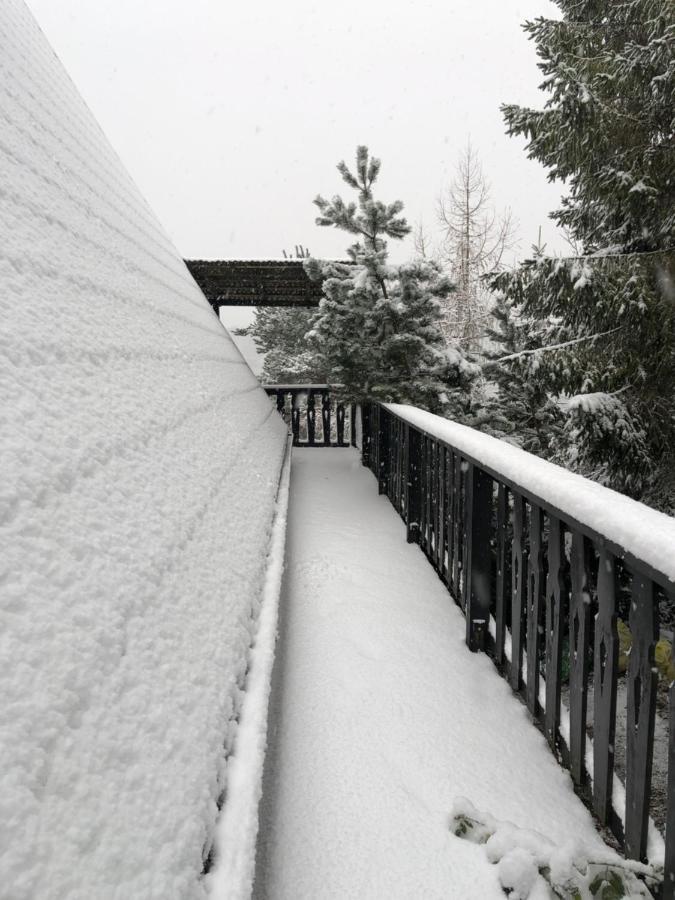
[(378, 329), (518, 406), (607, 130), (279, 333)]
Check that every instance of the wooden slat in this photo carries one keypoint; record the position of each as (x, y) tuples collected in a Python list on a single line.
[(440, 518), (295, 418), (605, 661), (535, 607), (478, 561), (641, 708), (340, 423), (518, 589), (501, 587), (311, 417), (669, 863), (457, 531), (427, 496), (413, 504), (325, 417), (555, 617), (579, 634)]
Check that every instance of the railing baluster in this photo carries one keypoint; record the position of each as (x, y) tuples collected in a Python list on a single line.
[(518, 589), (295, 418), (641, 708), (366, 442), (340, 420), (433, 507), (555, 617), (669, 863), (605, 660), (311, 415), (501, 587), (579, 627), (440, 517), (325, 418), (427, 497), (478, 562), (447, 525), (413, 486), (383, 452), (457, 530), (535, 607)]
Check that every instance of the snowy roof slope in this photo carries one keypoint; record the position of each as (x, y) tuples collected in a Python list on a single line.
[(140, 462)]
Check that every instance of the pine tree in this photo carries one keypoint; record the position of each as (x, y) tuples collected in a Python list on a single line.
[(279, 333), (607, 131), (517, 405), (378, 330)]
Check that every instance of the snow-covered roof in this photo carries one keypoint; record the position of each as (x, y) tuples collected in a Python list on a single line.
[(140, 462)]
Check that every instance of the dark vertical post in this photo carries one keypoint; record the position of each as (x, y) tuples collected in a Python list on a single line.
[(366, 409), (457, 530), (352, 424), (281, 401), (311, 417), (413, 484), (518, 589), (295, 418), (535, 607), (340, 424), (440, 510), (383, 450), (478, 571), (501, 586), (641, 708), (555, 616), (606, 655), (669, 863), (426, 501), (580, 620), (325, 417), (449, 475)]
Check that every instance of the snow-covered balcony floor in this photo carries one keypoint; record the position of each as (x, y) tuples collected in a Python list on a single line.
[(381, 717)]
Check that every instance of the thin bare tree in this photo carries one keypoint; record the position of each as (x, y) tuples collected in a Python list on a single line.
[(474, 240)]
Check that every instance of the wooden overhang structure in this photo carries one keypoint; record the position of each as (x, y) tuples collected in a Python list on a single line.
[(254, 282)]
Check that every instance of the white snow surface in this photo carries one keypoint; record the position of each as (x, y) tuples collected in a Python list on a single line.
[(644, 532), (237, 829), (382, 719), (140, 462)]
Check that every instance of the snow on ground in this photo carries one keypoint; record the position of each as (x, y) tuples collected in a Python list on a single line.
[(646, 533), (382, 718), (140, 464)]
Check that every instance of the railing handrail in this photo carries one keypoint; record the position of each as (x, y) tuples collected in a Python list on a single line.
[(644, 537), (300, 387)]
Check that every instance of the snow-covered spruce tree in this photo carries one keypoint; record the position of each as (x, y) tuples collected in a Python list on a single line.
[(378, 329), (607, 131), (517, 405), (279, 334)]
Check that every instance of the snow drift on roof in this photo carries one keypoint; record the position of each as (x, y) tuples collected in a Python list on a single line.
[(140, 462)]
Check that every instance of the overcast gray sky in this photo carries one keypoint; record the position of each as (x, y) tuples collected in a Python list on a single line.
[(232, 116)]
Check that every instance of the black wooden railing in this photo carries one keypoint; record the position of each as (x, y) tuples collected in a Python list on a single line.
[(541, 593), (314, 417)]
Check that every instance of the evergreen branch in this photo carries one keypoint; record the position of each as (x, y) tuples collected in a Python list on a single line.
[(521, 353)]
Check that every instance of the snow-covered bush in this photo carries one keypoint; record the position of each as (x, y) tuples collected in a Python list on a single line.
[(531, 867)]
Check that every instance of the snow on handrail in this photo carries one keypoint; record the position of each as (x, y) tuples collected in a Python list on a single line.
[(642, 533)]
